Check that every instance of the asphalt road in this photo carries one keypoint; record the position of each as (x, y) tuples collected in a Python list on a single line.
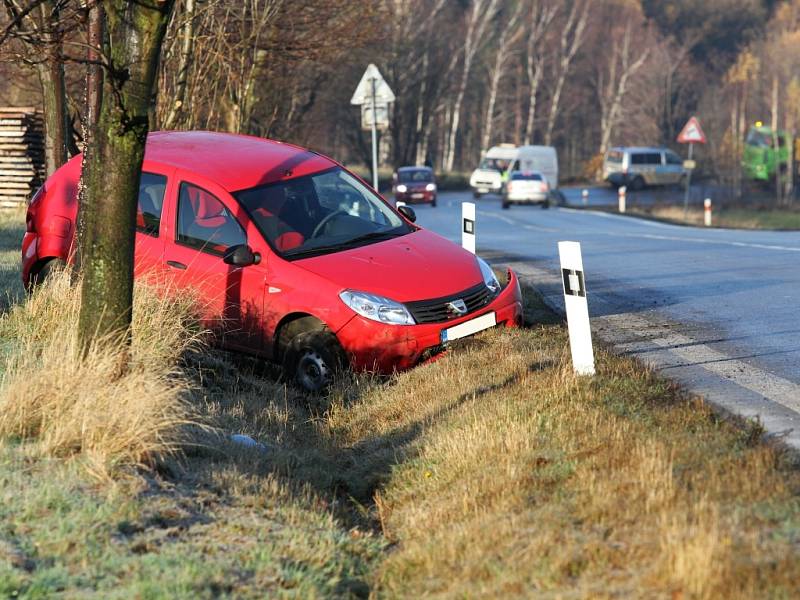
[(715, 309)]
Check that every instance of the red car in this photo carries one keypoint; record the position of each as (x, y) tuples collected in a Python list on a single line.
[(414, 184), (294, 258)]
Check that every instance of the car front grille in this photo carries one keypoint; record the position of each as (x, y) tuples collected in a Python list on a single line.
[(437, 311)]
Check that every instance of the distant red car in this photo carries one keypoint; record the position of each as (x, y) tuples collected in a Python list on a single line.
[(414, 184), (294, 258)]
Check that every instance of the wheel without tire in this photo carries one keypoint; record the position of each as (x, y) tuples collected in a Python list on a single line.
[(313, 358)]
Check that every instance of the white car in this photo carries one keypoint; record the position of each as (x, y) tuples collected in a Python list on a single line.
[(488, 177), (526, 187)]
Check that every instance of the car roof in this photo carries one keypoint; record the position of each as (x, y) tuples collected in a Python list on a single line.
[(414, 169), (233, 161), (526, 172), (640, 149)]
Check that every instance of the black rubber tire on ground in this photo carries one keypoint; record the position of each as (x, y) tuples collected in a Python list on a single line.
[(545, 204), (476, 195), (506, 204), (433, 203), (47, 269), (313, 359), (637, 184)]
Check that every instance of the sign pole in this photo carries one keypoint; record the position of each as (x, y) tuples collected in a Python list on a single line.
[(688, 183), (374, 137)]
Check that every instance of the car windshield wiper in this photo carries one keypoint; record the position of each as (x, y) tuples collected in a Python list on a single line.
[(356, 241), (372, 235)]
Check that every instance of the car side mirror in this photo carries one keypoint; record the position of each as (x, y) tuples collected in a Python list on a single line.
[(241, 256), (408, 213)]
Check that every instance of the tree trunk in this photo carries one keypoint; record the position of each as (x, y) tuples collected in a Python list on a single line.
[(113, 167), (175, 113)]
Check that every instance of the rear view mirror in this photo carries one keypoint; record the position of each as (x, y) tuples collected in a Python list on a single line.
[(241, 256), (408, 213)]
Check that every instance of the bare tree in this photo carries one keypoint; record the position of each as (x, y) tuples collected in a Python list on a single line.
[(540, 16), (510, 32), (571, 39), (480, 13), (134, 33), (612, 83)]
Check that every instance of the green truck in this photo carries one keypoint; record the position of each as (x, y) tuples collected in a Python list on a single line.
[(761, 158)]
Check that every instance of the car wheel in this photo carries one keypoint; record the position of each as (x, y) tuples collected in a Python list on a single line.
[(637, 184), (476, 195), (433, 203), (313, 359), (545, 204), (45, 271), (506, 204)]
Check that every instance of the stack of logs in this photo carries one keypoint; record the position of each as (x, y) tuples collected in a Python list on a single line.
[(21, 154)]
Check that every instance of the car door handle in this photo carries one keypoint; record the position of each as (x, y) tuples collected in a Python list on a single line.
[(177, 265)]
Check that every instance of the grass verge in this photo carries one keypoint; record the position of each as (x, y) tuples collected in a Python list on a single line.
[(492, 472), (733, 218)]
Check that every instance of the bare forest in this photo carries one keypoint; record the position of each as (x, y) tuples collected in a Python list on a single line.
[(582, 75)]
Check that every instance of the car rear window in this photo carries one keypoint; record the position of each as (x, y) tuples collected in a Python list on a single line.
[(526, 177), (151, 200)]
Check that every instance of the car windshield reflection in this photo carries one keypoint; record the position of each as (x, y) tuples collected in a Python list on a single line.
[(320, 213)]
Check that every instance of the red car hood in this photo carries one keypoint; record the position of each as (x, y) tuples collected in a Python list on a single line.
[(417, 266)]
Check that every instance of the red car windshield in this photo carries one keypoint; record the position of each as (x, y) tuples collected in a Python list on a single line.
[(321, 213)]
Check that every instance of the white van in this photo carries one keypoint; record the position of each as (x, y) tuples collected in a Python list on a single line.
[(489, 176), (538, 159), (638, 167)]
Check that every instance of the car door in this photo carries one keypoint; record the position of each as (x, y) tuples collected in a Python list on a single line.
[(205, 221), (674, 167), (149, 210)]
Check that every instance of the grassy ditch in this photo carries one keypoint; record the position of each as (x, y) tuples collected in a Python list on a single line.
[(492, 472), (732, 218)]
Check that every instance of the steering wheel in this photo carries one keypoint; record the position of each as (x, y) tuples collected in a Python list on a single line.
[(325, 220)]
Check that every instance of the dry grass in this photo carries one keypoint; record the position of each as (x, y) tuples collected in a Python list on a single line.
[(80, 405), (736, 218)]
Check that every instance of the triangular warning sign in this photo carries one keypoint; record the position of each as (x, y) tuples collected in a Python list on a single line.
[(364, 91), (692, 133)]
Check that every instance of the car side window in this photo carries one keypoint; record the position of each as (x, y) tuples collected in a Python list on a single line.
[(205, 223), (654, 158), (151, 201), (673, 159), (638, 159)]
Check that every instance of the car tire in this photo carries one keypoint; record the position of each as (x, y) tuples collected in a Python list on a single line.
[(637, 184), (433, 203), (45, 271), (506, 204), (476, 195), (545, 204), (313, 359)]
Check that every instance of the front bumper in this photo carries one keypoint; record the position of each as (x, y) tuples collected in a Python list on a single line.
[(381, 348), (415, 196)]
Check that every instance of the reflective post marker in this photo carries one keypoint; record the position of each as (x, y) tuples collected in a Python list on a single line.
[(622, 191), (585, 197), (580, 332), (468, 226), (707, 211)]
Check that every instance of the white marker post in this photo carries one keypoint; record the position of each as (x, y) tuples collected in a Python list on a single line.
[(580, 332), (585, 197), (468, 226), (622, 191), (707, 211)]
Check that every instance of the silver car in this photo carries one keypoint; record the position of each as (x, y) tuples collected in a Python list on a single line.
[(637, 167)]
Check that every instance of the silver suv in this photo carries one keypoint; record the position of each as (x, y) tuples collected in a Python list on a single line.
[(637, 167)]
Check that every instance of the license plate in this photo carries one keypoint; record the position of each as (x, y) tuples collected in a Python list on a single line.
[(417, 196), (469, 328)]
